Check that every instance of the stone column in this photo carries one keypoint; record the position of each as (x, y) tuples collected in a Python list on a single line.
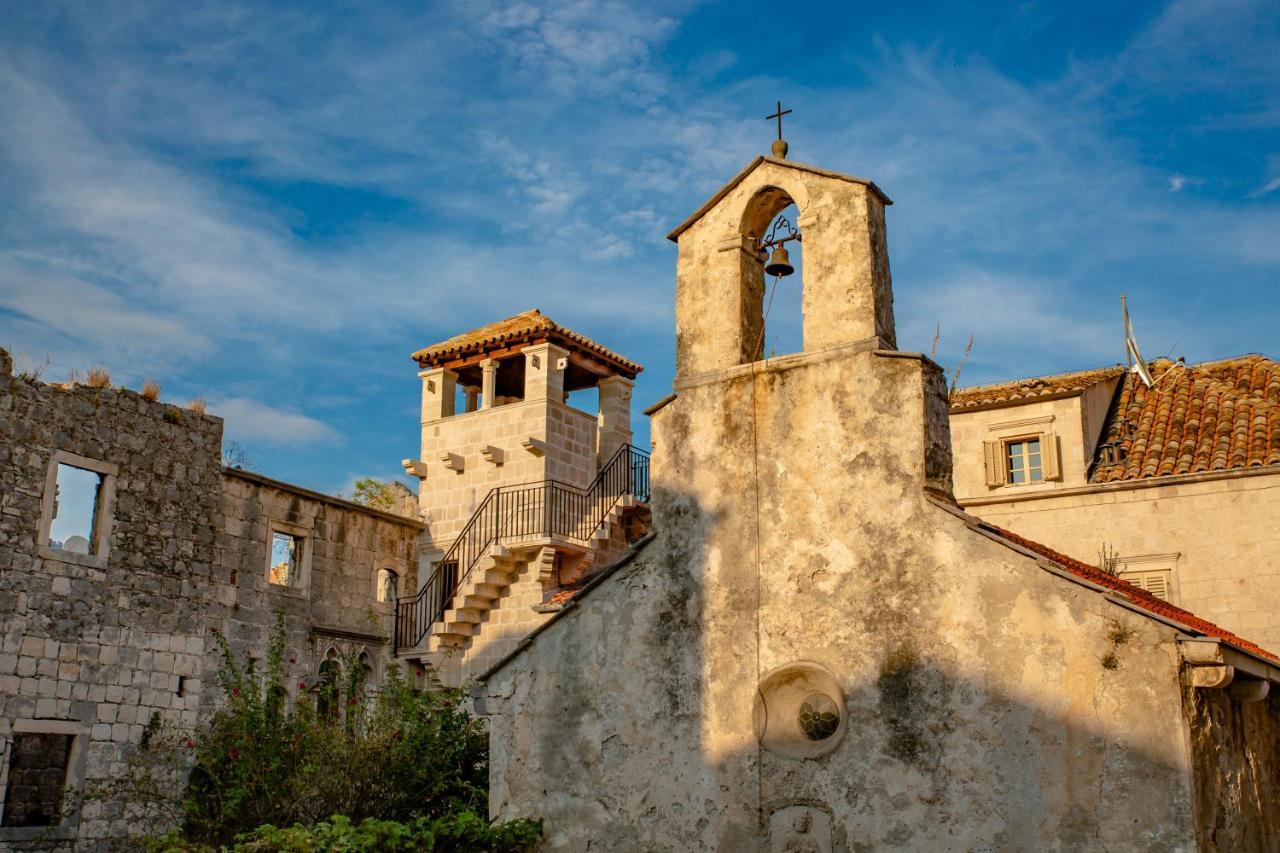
[(471, 392), (488, 382), (438, 388), (544, 366), (615, 416)]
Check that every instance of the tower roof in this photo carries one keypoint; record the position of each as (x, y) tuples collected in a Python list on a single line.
[(509, 336), (777, 161)]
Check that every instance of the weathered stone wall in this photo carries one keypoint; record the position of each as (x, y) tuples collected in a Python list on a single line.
[(344, 547), (1219, 536), (106, 644), (1235, 762), (982, 708), (94, 646)]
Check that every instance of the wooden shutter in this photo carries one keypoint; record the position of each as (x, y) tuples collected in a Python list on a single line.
[(1051, 456), (1156, 582), (994, 461)]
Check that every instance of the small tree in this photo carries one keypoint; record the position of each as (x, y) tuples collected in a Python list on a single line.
[(374, 493)]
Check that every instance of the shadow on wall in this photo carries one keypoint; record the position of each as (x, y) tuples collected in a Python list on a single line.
[(633, 722)]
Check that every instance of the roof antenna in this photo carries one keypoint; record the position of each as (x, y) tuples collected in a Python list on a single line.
[(1132, 357)]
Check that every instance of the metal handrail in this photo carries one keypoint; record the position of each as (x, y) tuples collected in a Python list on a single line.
[(544, 508)]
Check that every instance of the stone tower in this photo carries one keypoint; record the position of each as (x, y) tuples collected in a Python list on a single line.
[(521, 492)]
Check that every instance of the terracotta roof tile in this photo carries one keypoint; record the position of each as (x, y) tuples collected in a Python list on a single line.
[(1216, 416), (1136, 595), (526, 326), (1019, 390)]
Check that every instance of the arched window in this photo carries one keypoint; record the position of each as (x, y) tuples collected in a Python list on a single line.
[(364, 674), (388, 586), (328, 686), (773, 276)]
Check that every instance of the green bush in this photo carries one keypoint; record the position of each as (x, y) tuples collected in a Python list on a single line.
[(343, 768)]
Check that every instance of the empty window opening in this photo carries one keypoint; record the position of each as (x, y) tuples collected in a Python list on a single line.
[(363, 674), (327, 686), (783, 291), (37, 777), (182, 685), (1025, 461), (286, 559), (388, 586), (584, 400), (77, 505)]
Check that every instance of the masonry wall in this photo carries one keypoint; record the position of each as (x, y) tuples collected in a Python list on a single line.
[(1219, 535), (97, 648), (344, 546), (1235, 752), (448, 497), (987, 702), (92, 647)]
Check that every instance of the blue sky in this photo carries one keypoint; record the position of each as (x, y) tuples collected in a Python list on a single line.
[(271, 206)]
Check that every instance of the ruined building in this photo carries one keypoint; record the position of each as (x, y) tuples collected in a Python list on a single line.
[(126, 545), (819, 649)]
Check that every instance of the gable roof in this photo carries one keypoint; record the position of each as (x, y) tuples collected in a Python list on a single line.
[(674, 236), (1215, 416), (1018, 391), (528, 327), (1135, 595)]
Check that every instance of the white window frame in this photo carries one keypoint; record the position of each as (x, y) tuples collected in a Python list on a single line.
[(303, 586), (103, 517), (69, 827)]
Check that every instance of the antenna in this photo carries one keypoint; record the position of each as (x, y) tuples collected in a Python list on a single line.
[(1132, 356)]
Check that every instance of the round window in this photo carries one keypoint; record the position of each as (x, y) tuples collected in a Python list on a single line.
[(799, 711), (819, 716)]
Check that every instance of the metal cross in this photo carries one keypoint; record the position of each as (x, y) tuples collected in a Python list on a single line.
[(778, 115)]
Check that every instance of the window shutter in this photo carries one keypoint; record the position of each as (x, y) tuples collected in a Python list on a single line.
[(1051, 456), (1157, 585), (997, 472)]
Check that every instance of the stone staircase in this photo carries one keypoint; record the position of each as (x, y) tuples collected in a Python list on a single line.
[(499, 567)]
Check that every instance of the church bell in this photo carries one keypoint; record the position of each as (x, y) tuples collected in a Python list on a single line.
[(779, 264)]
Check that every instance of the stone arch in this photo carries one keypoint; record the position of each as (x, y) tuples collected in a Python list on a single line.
[(757, 215), (329, 683)]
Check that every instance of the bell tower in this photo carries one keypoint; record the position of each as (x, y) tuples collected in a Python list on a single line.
[(720, 274)]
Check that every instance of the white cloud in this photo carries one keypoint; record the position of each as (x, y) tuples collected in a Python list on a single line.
[(251, 420), (1177, 182)]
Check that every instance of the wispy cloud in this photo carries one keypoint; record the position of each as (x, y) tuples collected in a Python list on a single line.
[(251, 420)]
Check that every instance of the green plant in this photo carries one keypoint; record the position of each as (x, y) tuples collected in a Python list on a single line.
[(337, 760), (172, 416), (374, 493)]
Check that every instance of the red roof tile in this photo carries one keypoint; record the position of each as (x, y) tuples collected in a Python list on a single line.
[(1215, 416), (1021, 390), (513, 330), (1134, 594)]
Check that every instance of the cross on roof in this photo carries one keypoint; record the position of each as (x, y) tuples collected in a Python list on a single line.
[(778, 115)]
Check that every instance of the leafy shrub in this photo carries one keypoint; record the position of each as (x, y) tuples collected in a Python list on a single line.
[(341, 767)]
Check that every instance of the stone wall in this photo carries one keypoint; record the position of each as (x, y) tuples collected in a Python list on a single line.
[(344, 546), (1218, 536), (94, 645), (985, 702), (1235, 761), (105, 643), (449, 496)]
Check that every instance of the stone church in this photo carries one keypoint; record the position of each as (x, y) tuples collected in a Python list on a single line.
[(830, 613), (818, 648)]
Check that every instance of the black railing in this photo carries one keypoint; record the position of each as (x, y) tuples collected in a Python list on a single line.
[(510, 513)]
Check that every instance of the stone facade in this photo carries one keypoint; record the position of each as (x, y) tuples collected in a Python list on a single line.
[(1205, 541), (97, 639), (818, 650)]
